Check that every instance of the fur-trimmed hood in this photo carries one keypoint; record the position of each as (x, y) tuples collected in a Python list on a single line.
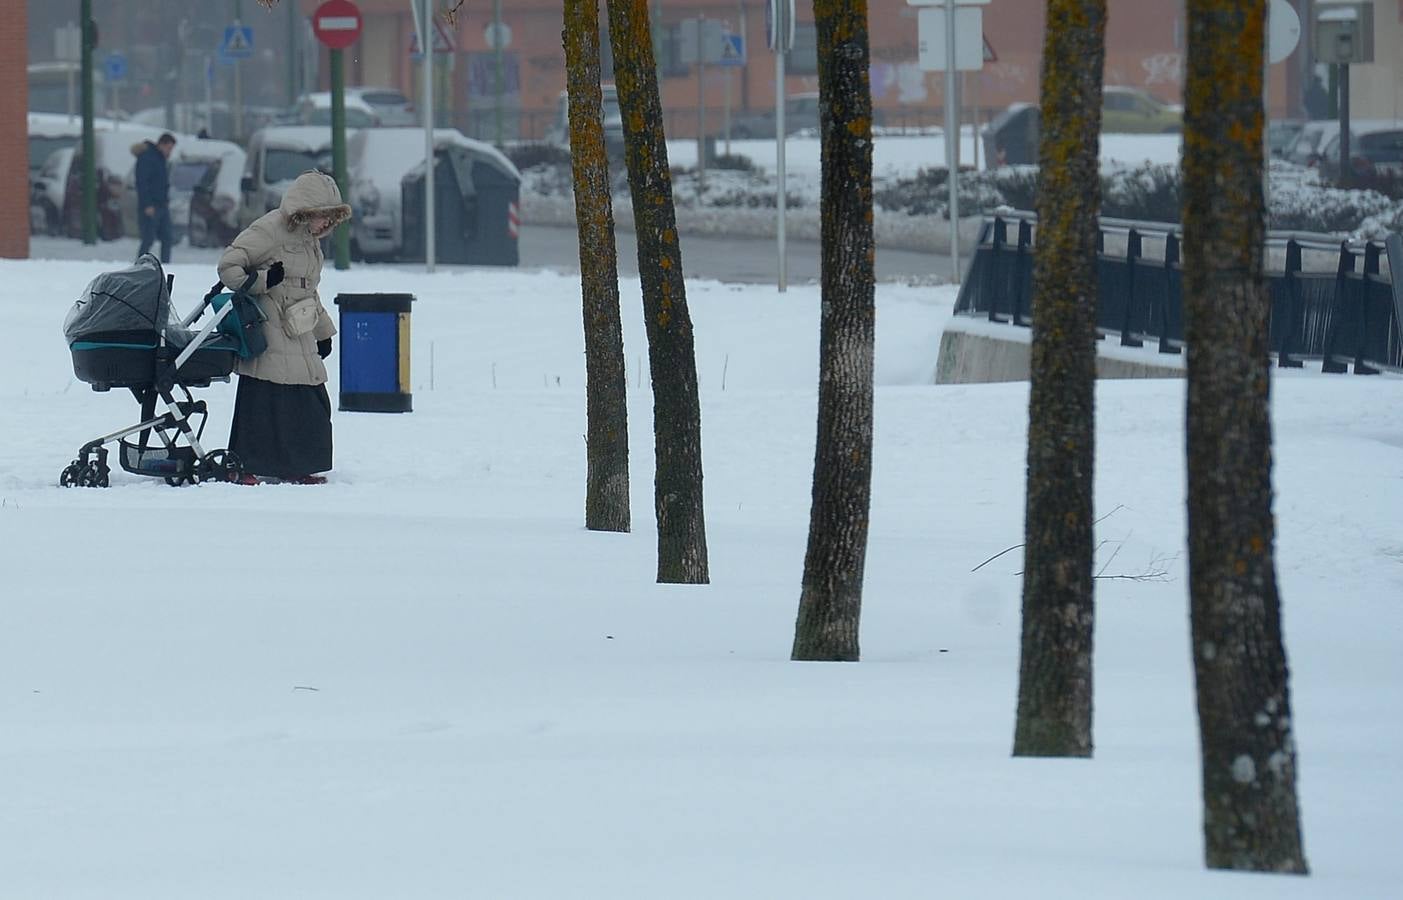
[(313, 194)]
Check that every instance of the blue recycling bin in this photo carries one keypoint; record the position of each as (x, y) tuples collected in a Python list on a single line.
[(374, 336)]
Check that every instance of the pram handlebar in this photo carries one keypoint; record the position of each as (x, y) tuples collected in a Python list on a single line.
[(205, 330), (219, 288)]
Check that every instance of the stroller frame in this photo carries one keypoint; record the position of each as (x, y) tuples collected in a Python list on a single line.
[(175, 462)]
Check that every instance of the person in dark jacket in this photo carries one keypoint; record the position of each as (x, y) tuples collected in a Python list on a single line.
[(153, 211)]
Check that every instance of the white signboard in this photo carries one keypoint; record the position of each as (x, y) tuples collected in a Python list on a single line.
[(969, 38), (1283, 31)]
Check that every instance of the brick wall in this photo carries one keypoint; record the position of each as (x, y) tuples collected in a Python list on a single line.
[(14, 134)]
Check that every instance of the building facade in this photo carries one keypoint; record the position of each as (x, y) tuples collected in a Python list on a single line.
[(1146, 44)]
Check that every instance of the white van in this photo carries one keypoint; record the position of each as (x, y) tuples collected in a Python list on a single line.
[(276, 156)]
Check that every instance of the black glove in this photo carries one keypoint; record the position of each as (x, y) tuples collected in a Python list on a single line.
[(275, 275), (324, 347)]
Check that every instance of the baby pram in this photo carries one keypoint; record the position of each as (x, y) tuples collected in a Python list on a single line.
[(124, 333)]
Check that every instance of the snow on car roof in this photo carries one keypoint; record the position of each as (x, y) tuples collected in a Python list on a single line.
[(312, 138), (63, 125), (231, 161), (383, 156)]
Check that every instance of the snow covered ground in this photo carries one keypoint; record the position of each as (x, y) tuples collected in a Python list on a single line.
[(427, 680)]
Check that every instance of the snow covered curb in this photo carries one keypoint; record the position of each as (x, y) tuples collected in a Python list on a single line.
[(977, 351), (892, 230)]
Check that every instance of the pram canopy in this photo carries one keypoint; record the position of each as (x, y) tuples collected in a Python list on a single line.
[(133, 301), (116, 328)]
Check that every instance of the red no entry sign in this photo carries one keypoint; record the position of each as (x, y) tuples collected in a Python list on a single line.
[(337, 23)]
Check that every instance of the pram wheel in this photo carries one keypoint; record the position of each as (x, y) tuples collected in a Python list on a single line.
[(69, 476), (78, 474), (218, 465)]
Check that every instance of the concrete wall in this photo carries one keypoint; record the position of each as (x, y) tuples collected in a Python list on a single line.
[(14, 134), (979, 357)]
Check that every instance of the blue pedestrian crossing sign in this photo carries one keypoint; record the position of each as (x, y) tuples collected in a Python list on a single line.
[(238, 42), (732, 50)]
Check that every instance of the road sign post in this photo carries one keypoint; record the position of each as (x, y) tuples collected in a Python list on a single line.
[(89, 139), (779, 35), (337, 24)]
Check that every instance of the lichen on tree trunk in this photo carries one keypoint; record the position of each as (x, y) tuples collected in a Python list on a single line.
[(1055, 668), (1251, 817), (677, 491), (830, 602), (606, 389)]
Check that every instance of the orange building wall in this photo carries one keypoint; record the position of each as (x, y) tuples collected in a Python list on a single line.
[(1145, 48), (14, 131)]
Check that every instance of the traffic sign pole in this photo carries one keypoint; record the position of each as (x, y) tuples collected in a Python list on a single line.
[(337, 24), (952, 137), (342, 239), (89, 140), (426, 45)]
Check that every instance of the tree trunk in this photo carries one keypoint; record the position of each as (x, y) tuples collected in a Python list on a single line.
[(1250, 816), (1055, 671), (682, 557), (606, 434), (830, 602)]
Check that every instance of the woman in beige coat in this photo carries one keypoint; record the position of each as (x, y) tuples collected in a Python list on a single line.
[(282, 414)]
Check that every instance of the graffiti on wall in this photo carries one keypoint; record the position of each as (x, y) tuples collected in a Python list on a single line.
[(905, 81), (1163, 68)]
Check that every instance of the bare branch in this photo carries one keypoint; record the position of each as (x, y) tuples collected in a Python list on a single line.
[(1119, 507), (994, 557), (451, 15)]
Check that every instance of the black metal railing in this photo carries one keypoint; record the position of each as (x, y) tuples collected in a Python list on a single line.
[(1340, 308)]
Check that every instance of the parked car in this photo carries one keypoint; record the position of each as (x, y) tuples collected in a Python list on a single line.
[(214, 200), (47, 189), (216, 118), (1316, 137), (114, 161), (1282, 135), (276, 156), (1375, 148), (800, 114), (53, 131), (190, 161), (1311, 140), (1135, 111), (559, 131), (391, 108), (315, 109), (378, 161)]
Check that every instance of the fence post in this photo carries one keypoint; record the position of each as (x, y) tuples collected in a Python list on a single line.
[(1371, 267), (1291, 276), (995, 264), (1132, 253), (1394, 243), (1020, 264), (1338, 311), (1171, 261)]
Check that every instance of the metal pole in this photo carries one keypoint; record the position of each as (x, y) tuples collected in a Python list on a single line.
[(701, 107), (952, 137), (426, 46), (238, 79), (497, 60), (1266, 115), (1346, 174), (291, 54), (781, 36), (85, 72), (342, 239)]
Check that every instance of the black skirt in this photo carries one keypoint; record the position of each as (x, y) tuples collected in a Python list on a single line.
[(281, 430)]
